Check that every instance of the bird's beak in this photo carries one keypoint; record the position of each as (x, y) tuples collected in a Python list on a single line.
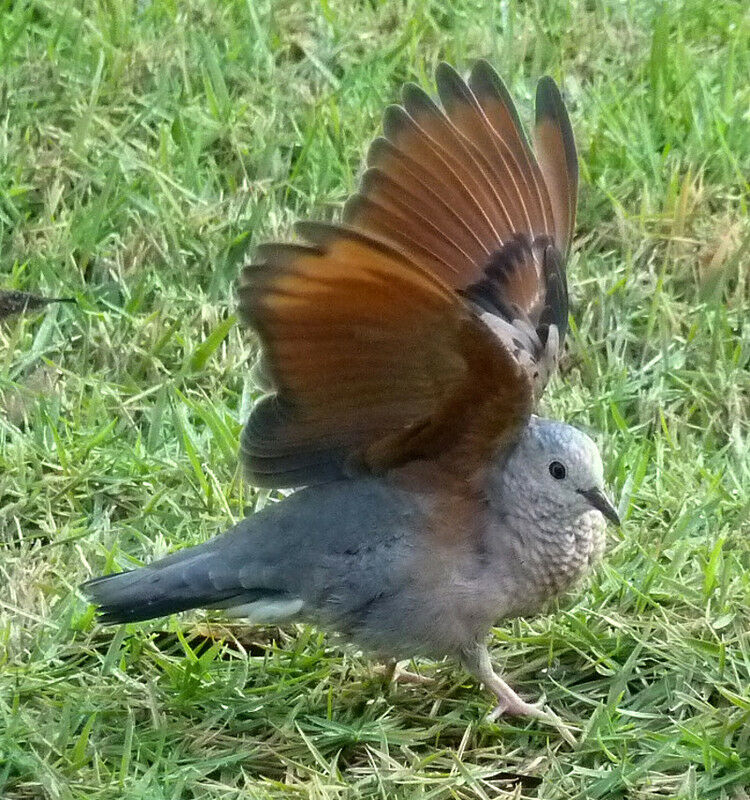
[(602, 503)]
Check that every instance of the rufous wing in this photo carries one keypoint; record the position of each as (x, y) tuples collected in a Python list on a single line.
[(460, 190), (375, 362), (425, 325)]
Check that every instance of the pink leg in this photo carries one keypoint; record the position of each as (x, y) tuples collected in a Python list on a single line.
[(477, 661)]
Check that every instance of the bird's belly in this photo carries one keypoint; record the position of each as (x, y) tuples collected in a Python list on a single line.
[(404, 627)]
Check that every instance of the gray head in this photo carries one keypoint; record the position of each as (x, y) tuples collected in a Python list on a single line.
[(559, 468)]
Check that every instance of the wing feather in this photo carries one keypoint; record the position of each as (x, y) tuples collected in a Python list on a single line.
[(553, 137), (460, 190), (375, 363), (425, 325)]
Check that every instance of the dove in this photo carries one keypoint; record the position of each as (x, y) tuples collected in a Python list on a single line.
[(404, 351), (16, 302)]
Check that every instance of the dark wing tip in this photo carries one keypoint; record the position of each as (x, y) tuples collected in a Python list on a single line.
[(548, 98), (550, 106), (445, 71), (377, 149), (484, 79), (413, 94), (487, 84), (450, 85), (395, 119)]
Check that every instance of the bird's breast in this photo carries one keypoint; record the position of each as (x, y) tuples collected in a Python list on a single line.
[(569, 553), (553, 557)]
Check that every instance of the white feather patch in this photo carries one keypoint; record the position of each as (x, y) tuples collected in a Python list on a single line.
[(267, 611)]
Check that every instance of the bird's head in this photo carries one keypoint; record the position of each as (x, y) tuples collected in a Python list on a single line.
[(558, 468)]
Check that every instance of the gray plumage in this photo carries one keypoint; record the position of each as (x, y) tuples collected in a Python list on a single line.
[(355, 557)]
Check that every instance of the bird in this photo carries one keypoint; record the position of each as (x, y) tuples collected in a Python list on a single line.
[(14, 302), (403, 351)]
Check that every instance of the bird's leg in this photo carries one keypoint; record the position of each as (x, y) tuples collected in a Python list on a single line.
[(387, 671), (393, 673), (477, 661)]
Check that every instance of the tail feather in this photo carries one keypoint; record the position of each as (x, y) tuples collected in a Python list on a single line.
[(216, 574), (263, 567), (147, 593)]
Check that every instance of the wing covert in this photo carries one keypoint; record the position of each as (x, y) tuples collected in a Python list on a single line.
[(375, 363)]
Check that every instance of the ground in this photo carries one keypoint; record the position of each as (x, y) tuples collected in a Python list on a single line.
[(144, 147)]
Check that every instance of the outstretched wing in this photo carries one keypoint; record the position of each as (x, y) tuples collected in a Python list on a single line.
[(375, 361), (460, 190), (424, 326)]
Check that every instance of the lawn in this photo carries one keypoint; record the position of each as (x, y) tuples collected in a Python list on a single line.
[(145, 148)]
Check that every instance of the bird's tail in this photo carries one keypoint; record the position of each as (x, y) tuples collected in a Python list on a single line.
[(176, 583), (210, 575)]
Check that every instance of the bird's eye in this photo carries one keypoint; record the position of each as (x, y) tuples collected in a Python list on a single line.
[(557, 470)]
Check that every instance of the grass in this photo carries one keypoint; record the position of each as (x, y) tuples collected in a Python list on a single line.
[(144, 146)]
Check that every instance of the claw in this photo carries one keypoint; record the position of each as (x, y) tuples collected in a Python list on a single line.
[(393, 673), (520, 708)]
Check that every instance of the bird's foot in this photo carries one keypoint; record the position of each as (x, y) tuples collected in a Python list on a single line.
[(508, 702), (512, 705), (392, 672)]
